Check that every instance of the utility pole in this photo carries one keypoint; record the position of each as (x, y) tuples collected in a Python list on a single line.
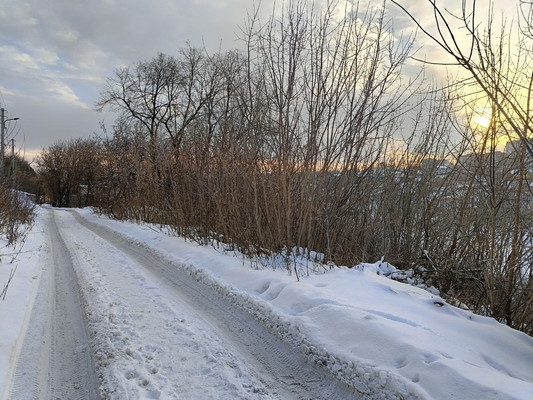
[(13, 165), (3, 121), (2, 126)]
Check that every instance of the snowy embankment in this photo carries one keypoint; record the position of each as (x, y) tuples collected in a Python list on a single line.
[(388, 339), (24, 263)]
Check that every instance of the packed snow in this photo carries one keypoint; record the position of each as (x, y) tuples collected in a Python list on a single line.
[(385, 338)]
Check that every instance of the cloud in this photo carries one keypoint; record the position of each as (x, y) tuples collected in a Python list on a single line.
[(56, 57), (46, 57), (36, 72), (58, 54)]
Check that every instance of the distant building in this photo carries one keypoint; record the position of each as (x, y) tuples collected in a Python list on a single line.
[(513, 147), (439, 167)]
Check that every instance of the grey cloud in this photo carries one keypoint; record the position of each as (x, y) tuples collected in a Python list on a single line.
[(56, 54)]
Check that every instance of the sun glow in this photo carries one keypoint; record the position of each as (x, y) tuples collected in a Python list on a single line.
[(482, 121), (482, 117)]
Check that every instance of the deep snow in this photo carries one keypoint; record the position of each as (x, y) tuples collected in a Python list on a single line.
[(386, 338)]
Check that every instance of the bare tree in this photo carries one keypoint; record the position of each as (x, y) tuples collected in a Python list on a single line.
[(498, 62), (327, 83), (165, 95), (70, 170), (144, 94), (526, 21)]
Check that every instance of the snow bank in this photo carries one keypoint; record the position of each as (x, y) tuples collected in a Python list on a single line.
[(24, 261)]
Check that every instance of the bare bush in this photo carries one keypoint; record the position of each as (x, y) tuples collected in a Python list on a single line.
[(16, 214), (70, 170), (312, 143)]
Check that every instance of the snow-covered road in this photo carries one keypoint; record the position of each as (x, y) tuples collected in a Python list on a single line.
[(55, 360), (154, 330)]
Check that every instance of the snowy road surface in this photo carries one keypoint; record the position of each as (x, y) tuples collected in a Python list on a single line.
[(154, 330), (55, 360)]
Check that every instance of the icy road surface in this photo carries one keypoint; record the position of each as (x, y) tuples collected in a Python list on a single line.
[(113, 320)]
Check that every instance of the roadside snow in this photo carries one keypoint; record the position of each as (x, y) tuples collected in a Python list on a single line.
[(16, 308), (388, 339)]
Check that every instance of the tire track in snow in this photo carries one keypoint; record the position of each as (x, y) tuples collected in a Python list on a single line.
[(280, 368), (55, 360)]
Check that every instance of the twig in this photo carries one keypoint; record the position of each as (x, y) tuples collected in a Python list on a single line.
[(6, 285)]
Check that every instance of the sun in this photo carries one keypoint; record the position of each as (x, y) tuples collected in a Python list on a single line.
[(482, 120), (482, 117)]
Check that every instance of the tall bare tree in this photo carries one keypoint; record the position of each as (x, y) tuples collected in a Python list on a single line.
[(498, 60), (491, 249)]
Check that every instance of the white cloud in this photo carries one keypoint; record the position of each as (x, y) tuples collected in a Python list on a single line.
[(62, 51), (23, 61), (46, 57), (64, 93)]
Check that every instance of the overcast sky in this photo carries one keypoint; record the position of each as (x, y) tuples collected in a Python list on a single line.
[(56, 54)]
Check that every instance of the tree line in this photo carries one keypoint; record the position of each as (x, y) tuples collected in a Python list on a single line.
[(316, 140)]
